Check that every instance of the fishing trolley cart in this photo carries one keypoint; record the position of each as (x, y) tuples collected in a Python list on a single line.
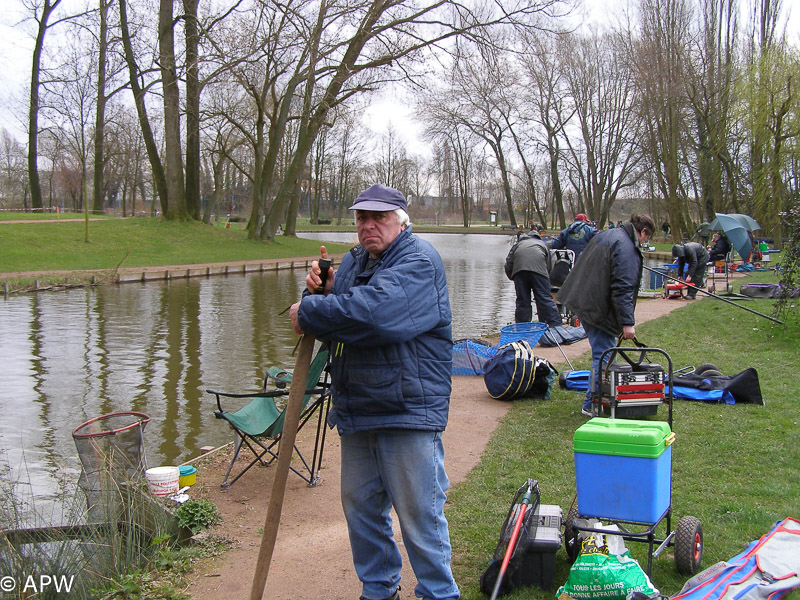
[(623, 466)]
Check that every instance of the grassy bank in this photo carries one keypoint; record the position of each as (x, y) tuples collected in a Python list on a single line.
[(734, 467), (135, 243)]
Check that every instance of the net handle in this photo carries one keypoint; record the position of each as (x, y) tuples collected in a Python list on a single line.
[(143, 419)]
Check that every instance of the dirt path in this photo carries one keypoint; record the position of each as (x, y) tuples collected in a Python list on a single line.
[(312, 555)]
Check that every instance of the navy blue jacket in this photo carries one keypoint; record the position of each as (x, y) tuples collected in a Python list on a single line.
[(575, 237), (602, 286), (389, 329)]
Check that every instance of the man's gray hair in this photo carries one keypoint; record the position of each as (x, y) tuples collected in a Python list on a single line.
[(402, 217)]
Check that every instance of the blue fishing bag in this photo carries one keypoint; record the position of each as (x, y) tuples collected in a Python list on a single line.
[(515, 372)]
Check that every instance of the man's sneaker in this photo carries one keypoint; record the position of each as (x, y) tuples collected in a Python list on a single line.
[(586, 413)]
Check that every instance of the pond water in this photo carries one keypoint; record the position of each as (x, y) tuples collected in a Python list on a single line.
[(156, 347)]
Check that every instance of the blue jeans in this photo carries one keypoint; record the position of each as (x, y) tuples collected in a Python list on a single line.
[(404, 469), (527, 282), (600, 341)]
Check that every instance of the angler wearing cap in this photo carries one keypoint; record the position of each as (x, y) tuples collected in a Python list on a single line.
[(576, 236), (386, 315)]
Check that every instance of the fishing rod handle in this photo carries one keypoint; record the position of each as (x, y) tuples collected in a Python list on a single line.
[(324, 265)]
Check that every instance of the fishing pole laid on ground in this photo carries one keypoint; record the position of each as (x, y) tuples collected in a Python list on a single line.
[(512, 542), (294, 408), (694, 287)]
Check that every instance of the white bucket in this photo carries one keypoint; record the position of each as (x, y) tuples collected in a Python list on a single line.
[(163, 481)]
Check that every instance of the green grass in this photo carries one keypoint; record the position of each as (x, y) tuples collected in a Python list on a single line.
[(136, 243), (47, 216), (734, 467)]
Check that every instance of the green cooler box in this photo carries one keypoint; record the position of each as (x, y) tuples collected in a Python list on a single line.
[(623, 469)]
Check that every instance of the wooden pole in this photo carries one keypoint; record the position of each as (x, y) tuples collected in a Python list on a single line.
[(294, 408)]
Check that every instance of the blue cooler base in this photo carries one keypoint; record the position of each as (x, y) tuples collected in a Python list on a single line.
[(623, 488)]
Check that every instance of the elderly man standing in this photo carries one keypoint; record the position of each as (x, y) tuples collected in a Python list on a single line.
[(576, 236), (386, 316), (602, 289)]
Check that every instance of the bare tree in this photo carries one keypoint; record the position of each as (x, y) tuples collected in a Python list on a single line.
[(457, 154), (771, 90), (139, 90), (549, 105), (711, 92), (380, 34), (347, 154), (474, 102), (173, 151), (72, 100), (193, 90), (604, 153), (391, 154), (100, 112), (658, 57), (42, 11), (13, 186)]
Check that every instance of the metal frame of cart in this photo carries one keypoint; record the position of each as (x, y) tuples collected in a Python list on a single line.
[(619, 390)]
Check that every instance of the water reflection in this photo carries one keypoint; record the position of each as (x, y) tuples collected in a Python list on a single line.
[(156, 347)]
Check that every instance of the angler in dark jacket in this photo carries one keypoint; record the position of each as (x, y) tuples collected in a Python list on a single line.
[(386, 317), (575, 237), (693, 257), (602, 287), (528, 265), (720, 247)]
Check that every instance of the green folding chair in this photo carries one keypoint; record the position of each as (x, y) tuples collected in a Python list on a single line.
[(259, 424)]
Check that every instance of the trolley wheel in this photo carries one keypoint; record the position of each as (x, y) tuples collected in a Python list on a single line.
[(688, 545), (706, 367), (571, 542), (711, 373), (574, 321)]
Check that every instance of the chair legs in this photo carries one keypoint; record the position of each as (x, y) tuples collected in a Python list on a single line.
[(310, 473)]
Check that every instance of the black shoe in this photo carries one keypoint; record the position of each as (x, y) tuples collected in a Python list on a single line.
[(395, 596)]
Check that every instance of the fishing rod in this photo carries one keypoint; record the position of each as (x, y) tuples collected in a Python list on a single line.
[(694, 287), (291, 422)]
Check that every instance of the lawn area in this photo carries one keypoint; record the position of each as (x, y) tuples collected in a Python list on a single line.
[(734, 467), (136, 243)]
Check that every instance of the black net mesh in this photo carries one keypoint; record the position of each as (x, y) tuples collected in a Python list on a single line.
[(112, 453)]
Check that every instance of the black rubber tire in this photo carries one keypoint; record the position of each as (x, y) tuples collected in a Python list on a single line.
[(711, 373), (571, 544), (705, 367), (688, 545)]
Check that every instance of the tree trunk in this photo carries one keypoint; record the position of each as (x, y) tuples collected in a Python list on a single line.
[(501, 163), (176, 198), (159, 178), (192, 111), (33, 108), (100, 115)]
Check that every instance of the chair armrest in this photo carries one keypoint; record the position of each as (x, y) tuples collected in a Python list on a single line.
[(281, 377), (220, 395)]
